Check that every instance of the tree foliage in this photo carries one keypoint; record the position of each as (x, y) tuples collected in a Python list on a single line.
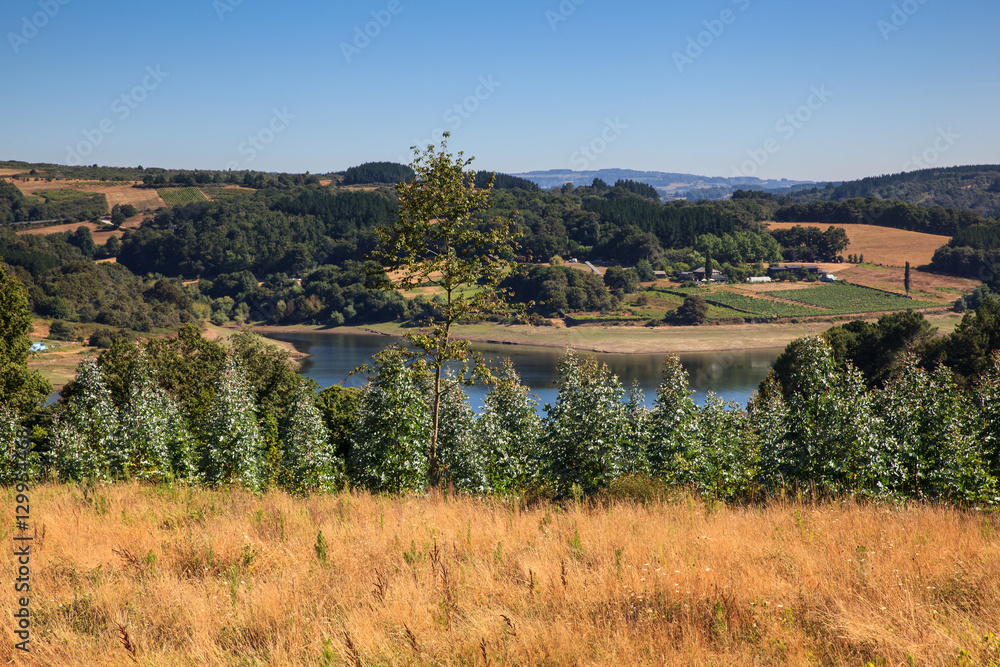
[(436, 242)]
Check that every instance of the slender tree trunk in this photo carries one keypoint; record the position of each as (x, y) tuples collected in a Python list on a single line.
[(432, 454)]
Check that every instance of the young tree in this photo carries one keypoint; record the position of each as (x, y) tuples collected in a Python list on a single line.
[(84, 435), (388, 448), (153, 441), (309, 460), (437, 242), (234, 448), (508, 430), (587, 439)]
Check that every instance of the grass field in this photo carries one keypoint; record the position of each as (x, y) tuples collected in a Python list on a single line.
[(158, 576), (882, 245), (181, 196), (221, 192)]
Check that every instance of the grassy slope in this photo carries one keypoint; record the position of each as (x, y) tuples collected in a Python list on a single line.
[(230, 578)]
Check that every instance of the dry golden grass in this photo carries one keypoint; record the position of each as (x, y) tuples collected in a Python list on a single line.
[(100, 237), (882, 245), (229, 578)]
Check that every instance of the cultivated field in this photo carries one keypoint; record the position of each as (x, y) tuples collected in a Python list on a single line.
[(180, 196), (155, 576), (882, 245)]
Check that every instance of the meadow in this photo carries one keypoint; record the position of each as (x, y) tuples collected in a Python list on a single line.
[(152, 575)]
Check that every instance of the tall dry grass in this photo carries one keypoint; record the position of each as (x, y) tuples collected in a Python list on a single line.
[(230, 578)]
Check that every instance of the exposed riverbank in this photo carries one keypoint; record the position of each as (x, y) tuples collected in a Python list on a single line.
[(620, 339)]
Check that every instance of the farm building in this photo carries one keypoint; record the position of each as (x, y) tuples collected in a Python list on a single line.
[(797, 270), (759, 279)]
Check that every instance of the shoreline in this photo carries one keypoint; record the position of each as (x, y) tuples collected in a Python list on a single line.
[(600, 339)]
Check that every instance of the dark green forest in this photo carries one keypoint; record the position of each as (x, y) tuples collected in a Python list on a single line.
[(286, 249)]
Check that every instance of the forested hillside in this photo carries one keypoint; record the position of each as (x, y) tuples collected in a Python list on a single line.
[(975, 187), (284, 248)]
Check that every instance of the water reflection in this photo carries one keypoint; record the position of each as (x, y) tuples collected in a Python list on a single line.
[(732, 375)]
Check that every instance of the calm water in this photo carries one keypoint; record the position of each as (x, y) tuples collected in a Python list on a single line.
[(731, 375)]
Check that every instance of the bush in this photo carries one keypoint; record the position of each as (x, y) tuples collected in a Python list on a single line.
[(693, 311), (62, 331)]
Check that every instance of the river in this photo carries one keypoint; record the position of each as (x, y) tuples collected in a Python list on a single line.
[(732, 375)]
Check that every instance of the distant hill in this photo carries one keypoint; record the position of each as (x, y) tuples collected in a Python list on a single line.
[(670, 185), (975, 187)]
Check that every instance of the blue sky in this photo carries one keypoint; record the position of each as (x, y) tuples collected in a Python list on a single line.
[(781, 89)]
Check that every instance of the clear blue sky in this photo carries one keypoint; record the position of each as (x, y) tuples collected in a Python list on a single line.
[(899, 80)]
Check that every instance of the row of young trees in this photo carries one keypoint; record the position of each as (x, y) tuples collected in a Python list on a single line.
[(920, 436)]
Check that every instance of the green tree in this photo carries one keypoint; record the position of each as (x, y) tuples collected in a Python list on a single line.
[(84, 436), (906, 279), (508, 430), (694, 310), (21, 389), (234, 447), (389, 446), (153, 442), (309, 460), (437, 242), (587, 440), (645, 271), (617, 277)]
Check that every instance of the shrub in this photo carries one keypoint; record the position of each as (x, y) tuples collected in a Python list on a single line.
[(60, 330), (693, 311)]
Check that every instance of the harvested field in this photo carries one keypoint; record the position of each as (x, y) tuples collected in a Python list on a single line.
[(923, 284), (882, 245), (115, 193), (101, 233)]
